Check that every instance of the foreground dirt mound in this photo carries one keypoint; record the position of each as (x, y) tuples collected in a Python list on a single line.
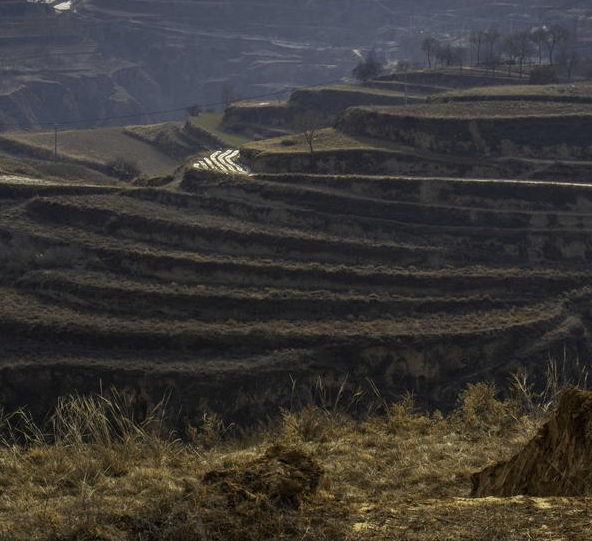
[(283, 477), (557, 462)]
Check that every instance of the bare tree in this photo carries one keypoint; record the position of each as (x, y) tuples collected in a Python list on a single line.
[(308, 124), (459, 54), (491, 37), (476, 39), (556, 35), (539, 38), (568, 59), (445, 54), (429, 47), (518, 46), (509, 48), (123, 168)]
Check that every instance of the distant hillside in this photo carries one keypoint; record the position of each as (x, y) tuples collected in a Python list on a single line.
[(97, 59)]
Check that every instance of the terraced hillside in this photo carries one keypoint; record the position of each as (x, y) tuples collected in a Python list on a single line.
[(223, 289), (578, 92), (325, 101), (153, 149), (336, 152), (506, 131), (505, 128)]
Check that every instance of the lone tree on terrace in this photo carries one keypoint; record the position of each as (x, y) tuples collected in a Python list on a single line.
[(477, 39), (539, 38), (568, 59), (308, 124), (123, 168), (518, 47), (429, 47), (556, 35), (491, 37)]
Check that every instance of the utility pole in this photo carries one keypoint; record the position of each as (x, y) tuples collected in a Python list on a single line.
[(55, 142)]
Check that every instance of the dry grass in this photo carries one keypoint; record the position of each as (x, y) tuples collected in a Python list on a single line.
[(28, 317), (325, 140), (487, 110), (577, 92), (170, 138), (357, 90), (52, 171), (93, 148), (94, 472), (211, 123), (119, 295)]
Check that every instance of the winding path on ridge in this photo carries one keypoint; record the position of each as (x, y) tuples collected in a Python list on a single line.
[(224, 161)]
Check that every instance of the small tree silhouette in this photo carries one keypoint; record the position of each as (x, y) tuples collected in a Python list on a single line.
[(369, 68), (556, 35), (308, 124), (429, 46), (123, 168)]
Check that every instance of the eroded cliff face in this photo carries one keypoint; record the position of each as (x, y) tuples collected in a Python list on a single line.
[(41, 101), (53, 72)]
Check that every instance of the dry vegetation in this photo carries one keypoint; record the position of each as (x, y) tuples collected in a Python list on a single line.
[(268, 119), (349, 95), (476, 137), (502, 130), (95, 472), (337, 152), (169, 137), (496, 110), (50, 171), (326, 140), (211, 125), (214, 281), (93, 148), (580, 92), (202, 282)]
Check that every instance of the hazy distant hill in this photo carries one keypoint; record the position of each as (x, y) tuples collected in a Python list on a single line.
[(93, 59)]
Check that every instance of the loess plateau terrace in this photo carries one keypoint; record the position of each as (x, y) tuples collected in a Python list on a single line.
[(228, 292)]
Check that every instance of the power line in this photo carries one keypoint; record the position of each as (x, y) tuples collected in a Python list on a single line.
[(170, 111)]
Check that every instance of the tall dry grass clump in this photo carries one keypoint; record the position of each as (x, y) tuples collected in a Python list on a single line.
[(94, 471), (323, 471)]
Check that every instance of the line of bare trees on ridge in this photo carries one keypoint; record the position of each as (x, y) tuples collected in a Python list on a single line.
[(490, 49)]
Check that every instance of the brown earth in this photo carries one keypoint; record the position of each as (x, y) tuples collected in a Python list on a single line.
[(555, 463), (282, 477), (333, 472)]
